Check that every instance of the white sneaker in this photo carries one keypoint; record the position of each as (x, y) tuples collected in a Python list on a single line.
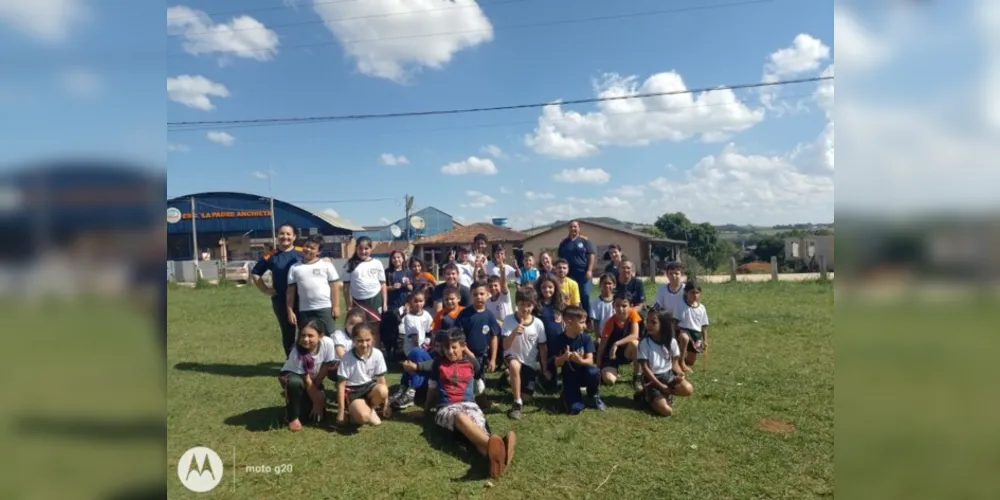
[(480, 387)]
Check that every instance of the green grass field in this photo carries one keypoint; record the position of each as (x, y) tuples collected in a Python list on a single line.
[(772, 361)]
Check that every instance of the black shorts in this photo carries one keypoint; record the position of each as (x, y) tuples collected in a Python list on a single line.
[(529, 377), (620, 358), (359, 392), (323, 315), (652, 393)]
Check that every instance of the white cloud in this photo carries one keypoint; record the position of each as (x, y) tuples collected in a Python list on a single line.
[(604, 206), (825, 90), (629, 191), (504, 190), (492, 150), (734, 186), (393, 160), (81, 82), (531, 195), (178, 148), (804, 56), (460, 218), (478, 200), (220, 138), (259, 175), (243, 36), (639, 122), (195, 91), (383, 220), (44, 20), (471, 165), (582, 176), (331, 212), (855, 46), (391, 46)]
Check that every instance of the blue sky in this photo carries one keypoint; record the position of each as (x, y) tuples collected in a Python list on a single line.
[(746, 157)]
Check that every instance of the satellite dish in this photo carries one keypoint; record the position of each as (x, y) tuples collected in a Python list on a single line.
[(396, 231), (417, 222)]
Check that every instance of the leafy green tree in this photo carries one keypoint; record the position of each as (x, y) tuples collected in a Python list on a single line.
[(703, 239)]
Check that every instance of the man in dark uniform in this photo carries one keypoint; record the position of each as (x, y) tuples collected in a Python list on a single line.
[(580, 253)]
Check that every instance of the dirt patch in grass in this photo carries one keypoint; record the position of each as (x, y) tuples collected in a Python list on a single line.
[(775, 426)]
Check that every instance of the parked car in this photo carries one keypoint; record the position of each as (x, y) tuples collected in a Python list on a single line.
[(239, 270)]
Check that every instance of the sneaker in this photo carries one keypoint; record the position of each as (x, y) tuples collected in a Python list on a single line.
[(575, 408), (515, 411), (599, 403), (496, 450), (480, 386), (397, 394), (510, 440), (405, 400), (637, 383)]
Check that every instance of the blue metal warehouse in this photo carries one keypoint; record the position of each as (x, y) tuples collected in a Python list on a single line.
[(242, 224)]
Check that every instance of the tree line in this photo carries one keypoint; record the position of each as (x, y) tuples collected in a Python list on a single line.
[(708, 251)]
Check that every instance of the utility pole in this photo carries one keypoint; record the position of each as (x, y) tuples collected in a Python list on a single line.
[(270, 194), (408, 203), (194, 235)]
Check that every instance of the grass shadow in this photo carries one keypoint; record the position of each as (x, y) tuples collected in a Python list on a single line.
[(451, 442), (91, 429), (267, 369), (261, 419)]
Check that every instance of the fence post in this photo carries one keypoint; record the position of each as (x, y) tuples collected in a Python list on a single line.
[(822, 267), (732, 268), (774, 268)]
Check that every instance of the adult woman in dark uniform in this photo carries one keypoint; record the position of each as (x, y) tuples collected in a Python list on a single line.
[(279, 261)]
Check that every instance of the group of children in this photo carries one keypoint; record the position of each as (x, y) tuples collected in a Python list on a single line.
[(451, 334)]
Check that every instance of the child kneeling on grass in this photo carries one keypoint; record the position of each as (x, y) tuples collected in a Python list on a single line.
[(361, 380), (619, 342), (454, 375), (523, 342), (575, 358), (302, 375), (692, 321), (660, 361)]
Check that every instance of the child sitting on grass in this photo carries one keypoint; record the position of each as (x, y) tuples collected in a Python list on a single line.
[(692, 320), (575, 360), (302, 375), (454, 375), (361, 380), (619, 342), (417, 386), (523, 343), (451, 305), (414, 328), (660, 361)]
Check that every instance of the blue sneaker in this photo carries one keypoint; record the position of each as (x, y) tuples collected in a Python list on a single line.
[(576, 408), (599, 403)]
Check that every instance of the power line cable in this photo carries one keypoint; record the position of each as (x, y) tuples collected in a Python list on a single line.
[(334, 118), (259, 9), (670, 109), (503, 28), (338, 20)]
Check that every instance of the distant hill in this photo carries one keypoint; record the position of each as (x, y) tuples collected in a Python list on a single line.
[(608, 221), (726, 231)]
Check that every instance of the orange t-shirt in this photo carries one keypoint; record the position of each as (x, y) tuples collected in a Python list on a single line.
[(440, 314), (613, 324)]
